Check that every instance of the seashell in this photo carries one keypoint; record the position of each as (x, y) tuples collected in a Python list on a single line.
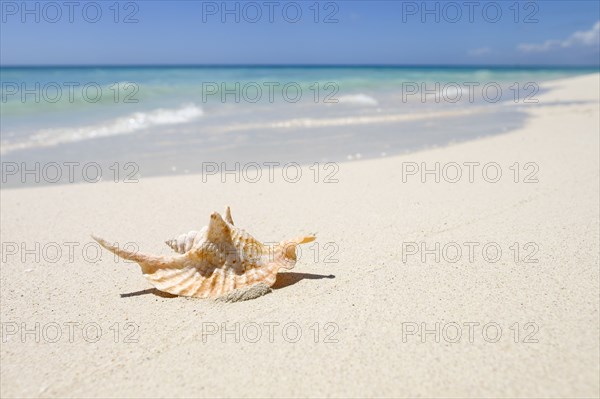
[(221, 261)]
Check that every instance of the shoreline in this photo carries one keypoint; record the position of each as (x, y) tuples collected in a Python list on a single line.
[(178, 160), (153, 117)]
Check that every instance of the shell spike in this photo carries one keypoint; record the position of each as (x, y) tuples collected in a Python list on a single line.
[(228, 217), (149, 263), (218, 230), (304, 239), (287, 250)]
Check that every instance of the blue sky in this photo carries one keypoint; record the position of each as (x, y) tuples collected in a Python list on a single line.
[(359, 32)]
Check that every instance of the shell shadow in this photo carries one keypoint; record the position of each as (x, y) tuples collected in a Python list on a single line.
[(283, 280), (149, 291), (291, 278)]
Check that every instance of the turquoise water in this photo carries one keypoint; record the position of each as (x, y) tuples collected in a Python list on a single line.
[(170, 116), (156, 86)]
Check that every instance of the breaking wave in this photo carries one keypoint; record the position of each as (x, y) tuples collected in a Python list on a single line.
[(123, 125)]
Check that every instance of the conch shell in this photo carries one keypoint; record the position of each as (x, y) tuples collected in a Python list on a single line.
[(221, 261)]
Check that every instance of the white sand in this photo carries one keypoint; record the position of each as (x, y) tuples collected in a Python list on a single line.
[(369, 214)]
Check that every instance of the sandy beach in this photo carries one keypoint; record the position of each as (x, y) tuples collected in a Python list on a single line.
[(481, 284)]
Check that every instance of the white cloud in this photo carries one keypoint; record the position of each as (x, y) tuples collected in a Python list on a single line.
[(477, 52), (580, 38)]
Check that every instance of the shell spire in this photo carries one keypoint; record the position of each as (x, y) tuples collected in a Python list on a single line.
[(220, 261), (184, 242)]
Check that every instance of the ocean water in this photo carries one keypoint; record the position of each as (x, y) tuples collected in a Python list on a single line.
[(173, 119)]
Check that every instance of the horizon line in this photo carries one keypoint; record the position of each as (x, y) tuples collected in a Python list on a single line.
[(299, 66)]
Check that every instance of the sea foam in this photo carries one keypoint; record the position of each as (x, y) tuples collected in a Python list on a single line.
[(123, 125), (358, 99)]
